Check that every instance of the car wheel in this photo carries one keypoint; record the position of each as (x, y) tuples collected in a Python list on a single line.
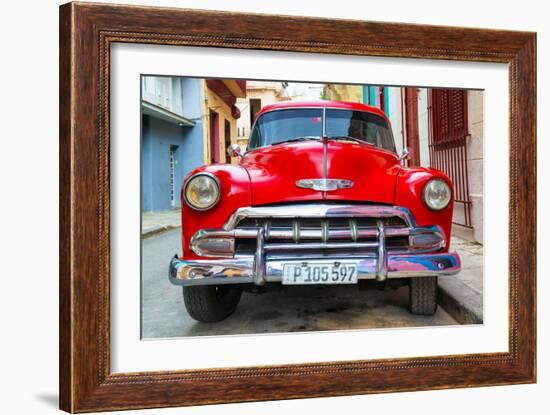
[(423, 295), (211, 303)]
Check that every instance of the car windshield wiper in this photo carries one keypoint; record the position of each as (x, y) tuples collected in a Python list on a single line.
[(349, 138), (304, 138)]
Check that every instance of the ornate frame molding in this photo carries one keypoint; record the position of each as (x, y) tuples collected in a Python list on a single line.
[(86, 33)]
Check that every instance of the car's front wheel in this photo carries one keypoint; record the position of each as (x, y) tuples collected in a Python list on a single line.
[(423, 295), (211, 303)]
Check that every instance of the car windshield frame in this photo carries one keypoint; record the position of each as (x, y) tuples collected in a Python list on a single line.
[(384, 127)]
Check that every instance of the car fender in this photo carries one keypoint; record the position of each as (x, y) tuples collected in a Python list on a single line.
[(234, 193), (408, 194)]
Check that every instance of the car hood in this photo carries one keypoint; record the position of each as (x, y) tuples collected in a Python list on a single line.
[(274, 171)]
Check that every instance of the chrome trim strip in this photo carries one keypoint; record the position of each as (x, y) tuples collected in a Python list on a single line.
[(325, 185), (322, 210), (323, 245), (275, 234)]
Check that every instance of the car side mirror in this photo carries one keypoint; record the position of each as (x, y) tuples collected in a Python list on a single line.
[(405, 155), (234, 150)]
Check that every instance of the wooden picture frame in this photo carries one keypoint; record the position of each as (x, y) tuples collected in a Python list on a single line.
[(86, 33)]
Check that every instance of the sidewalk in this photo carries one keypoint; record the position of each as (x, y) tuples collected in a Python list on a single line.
[(153, 223), (462, 295)]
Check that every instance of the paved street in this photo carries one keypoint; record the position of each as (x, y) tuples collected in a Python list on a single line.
[(312, 308)]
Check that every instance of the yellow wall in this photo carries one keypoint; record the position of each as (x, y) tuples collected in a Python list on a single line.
[(349, 93), (267, 96), (213, 102)]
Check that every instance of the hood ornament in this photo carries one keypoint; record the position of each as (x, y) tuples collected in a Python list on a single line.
[(324, 185)]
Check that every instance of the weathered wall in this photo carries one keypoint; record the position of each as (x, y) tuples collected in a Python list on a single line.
[(475, 160), (423, 127), (213, 102), (157, 137), (268, 95), (395, 115), (340, 92)]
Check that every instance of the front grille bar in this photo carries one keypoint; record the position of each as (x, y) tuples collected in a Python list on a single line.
[(353, 229), (325, 234), (259, 258), (320, 245), (324, 230), (382, 268), (296, 231)]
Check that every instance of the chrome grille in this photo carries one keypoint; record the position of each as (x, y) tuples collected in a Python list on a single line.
[(341, 232), (310, 230)]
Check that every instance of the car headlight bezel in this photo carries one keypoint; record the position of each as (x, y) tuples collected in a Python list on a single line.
[(429, 202), (216, 185)]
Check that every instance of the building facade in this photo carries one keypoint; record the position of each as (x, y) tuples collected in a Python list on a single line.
[(186, 122), (222, 113), (258, 95), (441, 128), (377, 96)]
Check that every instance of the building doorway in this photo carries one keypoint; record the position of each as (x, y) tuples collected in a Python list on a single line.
[(214, 137), (255, 107), (227, 140), (172, 161)]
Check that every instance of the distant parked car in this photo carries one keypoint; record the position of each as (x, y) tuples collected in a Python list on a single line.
[(319, 197)]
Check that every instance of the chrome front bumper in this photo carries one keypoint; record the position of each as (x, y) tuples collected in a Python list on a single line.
[(247, 270), (268, 260)]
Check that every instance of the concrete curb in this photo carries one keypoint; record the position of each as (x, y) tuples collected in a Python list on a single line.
[(157, 230), (460, 301)]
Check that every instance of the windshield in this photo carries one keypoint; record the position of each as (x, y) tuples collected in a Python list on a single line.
[(359, 126), (276, 127), (299, 124)]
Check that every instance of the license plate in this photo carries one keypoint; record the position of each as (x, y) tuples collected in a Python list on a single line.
[(320, 273)]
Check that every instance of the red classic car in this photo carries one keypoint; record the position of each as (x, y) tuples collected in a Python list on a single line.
[(319, 197)]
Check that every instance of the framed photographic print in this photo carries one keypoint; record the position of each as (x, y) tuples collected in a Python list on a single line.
[(259, 207)]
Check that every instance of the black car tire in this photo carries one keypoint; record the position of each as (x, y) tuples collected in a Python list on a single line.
[(423, 295), (211, 303)]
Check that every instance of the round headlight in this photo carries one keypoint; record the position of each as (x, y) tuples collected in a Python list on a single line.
[(437, 194), (202, 191)]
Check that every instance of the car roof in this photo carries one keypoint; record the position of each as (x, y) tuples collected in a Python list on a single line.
[(354, 106)]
